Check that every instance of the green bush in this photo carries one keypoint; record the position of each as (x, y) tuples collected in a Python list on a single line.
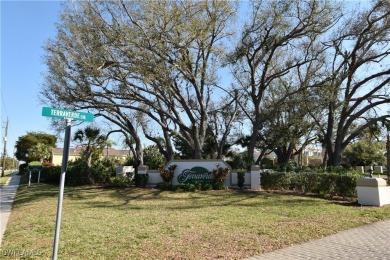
[(118, 182), (338, 183), (153, 158), (166, 186), (35, 163), (102, 170), (198, 185), (240, 178), (75, 175), (275, 180), (129, 161), (51, 174), (219, 186), (187, 187), (141, 180), (78, 173), (267, 163), (240, 161), (23, 169), (206, 186), (328, 186), (311, 182), (346, 184)]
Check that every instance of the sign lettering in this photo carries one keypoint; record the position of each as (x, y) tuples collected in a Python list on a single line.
[(62, 113), (196, 174)]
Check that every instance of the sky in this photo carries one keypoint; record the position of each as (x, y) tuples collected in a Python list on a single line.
[(25, 27)]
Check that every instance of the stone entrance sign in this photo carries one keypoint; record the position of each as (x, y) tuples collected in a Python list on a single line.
[(190, 171)]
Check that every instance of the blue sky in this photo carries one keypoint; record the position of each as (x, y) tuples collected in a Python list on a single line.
[(25, 27)]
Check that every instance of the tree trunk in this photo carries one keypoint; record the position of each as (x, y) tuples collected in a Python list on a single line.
[(139, 152), (220, 151), (325, 158), (283, 156), (334, 155), (197, 153), (284, 153), (252, 145), (169, 152), (253, 140), (388, 154)]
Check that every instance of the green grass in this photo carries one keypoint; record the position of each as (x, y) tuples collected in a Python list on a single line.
[(135, 223), (3, 180)]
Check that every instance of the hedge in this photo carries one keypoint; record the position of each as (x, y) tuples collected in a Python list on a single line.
[(326, 184), (77, 174)]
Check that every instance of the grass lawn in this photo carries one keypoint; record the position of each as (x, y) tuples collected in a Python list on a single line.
[(3, 180), (134, 223)]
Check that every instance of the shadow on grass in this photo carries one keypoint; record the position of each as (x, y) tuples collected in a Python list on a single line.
[(130, 198), (39, 191)]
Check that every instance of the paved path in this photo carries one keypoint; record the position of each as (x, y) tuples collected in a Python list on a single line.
[(7, 195), (371, 241)]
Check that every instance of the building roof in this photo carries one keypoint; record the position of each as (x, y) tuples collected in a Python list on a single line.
[(108, 152), (72, 151)]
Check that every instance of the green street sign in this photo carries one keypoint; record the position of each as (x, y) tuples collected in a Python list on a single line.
[(62, 113)]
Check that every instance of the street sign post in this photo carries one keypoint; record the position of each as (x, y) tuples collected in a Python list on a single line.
[(68, 115)]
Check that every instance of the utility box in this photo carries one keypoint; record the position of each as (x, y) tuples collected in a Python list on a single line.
[(373, 192)]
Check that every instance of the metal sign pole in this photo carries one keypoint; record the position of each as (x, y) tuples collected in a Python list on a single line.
[(65, 156)]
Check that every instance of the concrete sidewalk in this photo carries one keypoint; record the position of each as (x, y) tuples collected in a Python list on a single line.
[(366, 242), (7, 195)]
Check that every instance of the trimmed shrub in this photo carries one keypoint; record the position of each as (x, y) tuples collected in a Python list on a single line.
[(23, 169), (78, 174), (219, 186), (207, 186), (118, 182), (141, 180), (346, 184), (51, 174), (102, 170), (339, 183), (166, 186), (311, 182), (187, 187), (275, 180), (240, 178), (267, 163)]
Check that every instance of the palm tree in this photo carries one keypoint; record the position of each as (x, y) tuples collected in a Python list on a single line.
[(91, 140), (109, 144)]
